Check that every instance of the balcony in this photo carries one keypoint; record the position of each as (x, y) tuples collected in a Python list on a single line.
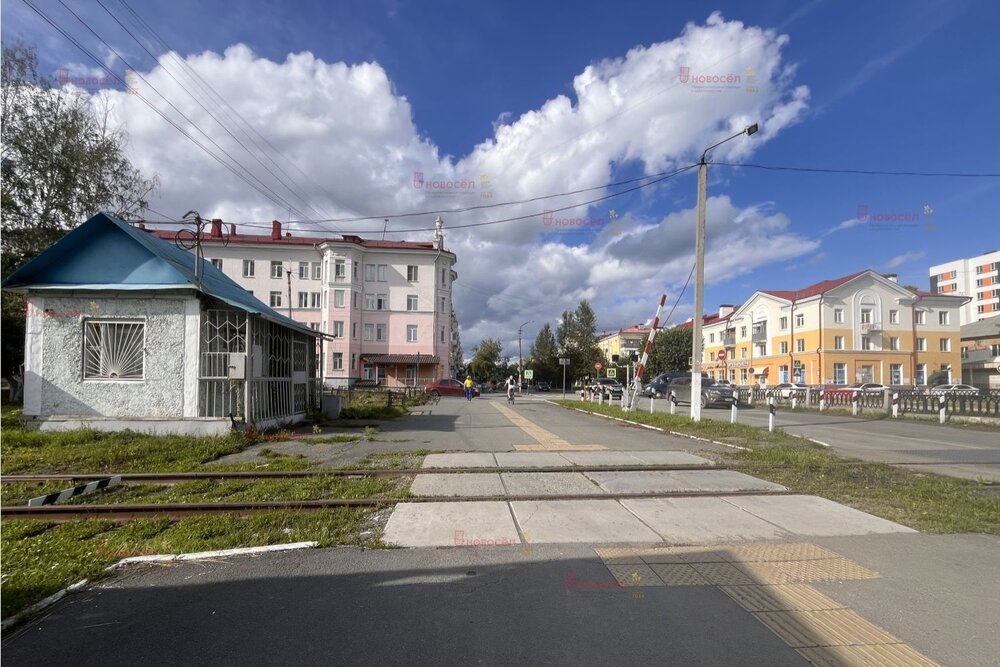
[(871, 327), (759, 335), (728, 339)]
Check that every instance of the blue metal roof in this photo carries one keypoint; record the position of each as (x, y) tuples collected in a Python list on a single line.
[(106, 253)]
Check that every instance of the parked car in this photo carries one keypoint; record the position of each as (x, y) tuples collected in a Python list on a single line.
[(711, 392), (656, 388), (610, 387), (543, 386), (788, 389), (953, 390), (448, 388)]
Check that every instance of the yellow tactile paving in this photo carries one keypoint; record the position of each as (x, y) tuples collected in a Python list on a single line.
[(785, 597), (778, 551), (790, 572), (634, 574), (675, 574), (877, 655), (663, 555), (829, 627), (546, 441), (722, 574)]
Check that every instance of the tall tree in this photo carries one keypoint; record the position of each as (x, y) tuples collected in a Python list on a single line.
[(486, 359), (457, 354), (545, 355), (671, 352), (62, 161), (576, 337)]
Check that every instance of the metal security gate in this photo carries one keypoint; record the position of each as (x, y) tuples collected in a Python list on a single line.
[(222, 364)]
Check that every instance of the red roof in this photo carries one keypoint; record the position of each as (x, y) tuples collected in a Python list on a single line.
[(813, 290), (705, 321)]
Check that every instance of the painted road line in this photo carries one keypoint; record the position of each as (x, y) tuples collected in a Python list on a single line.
[(546, 440)]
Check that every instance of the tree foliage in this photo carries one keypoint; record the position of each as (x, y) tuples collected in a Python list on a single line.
[(457, 354), (671, 352), (545, 355), (62, 161), (576, 337), (486, 359)]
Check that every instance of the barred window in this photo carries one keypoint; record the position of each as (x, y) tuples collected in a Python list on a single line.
[(113, 350)]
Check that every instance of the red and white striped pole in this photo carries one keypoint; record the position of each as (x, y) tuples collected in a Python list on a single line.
[(641, 368)]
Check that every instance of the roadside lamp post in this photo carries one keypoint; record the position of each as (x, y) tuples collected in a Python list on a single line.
[(520, 359), (699, 285)]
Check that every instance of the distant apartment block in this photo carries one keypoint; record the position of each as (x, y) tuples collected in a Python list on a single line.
[(384, 307), (624, 342), (976, 277)]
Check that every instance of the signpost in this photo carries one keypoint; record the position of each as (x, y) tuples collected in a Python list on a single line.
[(612, 372), (598, 366), (722, 358), (564, 363)]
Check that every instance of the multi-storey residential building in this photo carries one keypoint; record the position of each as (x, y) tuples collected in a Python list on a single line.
[(384, 307), (623, 342), (981, 353), (977, 278), (864, 327)]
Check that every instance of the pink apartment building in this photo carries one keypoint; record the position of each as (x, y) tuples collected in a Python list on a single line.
[(385, 307)]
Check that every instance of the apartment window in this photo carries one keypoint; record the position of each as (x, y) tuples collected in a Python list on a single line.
[(276, 269), (838, 315), (354, 361), (354, 300), (995, 350), (784, 347), (338, 361), (382, 302), (314, 326), (743, 353), (248, 267), (113, 350), (980, 283), (442, 334), (896, 373), (370, 272), (354, 330), (760, 350), (411, 273), (303, 270), (732, 376), (921, 317), (355, 270), (783, 373), (338, 329), (369, 332), (893, 317), (317, 271), (314, 300), (303, 299), (411, 333), (442, 305), (338, 298), (275, 300), (921, 344), (800, 320), (369, 301), (838, 342), (711, 338), (380, 334), (894, 345), (921, 374), (411, 301), (743, 332), (840, 373), (326, 298), (711, 356), (866, 316), (800, 345), (783, 323), (382, 270), (980, 309), (943, 317), (217, 263), (945, 345), (340, 269), (866, 343)]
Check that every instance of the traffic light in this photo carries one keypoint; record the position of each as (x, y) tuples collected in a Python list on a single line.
[(614, 358)]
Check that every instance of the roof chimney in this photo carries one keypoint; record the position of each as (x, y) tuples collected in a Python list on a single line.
[(726, 309), (142, 225), (232, 229), (275, 230), (216, 232), (893, 277)]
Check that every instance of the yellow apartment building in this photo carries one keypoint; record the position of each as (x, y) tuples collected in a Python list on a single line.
[(623, 342), (863, 327)]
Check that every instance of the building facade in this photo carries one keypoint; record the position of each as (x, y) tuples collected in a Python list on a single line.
[(384, 307), (623, 342), (981, 353), (864, 327), (977, 278)]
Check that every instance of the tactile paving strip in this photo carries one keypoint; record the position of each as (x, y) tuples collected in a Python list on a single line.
[(877, 655), (790, 572), (674, 574), (786, 597), (828, 627), (722, 574), (777, 551), (633, 574)]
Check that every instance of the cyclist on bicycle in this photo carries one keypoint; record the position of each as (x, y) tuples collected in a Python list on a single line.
[(510, 384)]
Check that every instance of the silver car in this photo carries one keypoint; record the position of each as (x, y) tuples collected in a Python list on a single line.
[(711, 392)]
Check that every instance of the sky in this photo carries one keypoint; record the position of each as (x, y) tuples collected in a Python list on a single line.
[(381, 108)]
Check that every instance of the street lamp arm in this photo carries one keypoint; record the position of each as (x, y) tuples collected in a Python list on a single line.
[(747, 131)]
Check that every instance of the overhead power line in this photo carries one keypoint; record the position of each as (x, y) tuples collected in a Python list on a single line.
[(862, 172)]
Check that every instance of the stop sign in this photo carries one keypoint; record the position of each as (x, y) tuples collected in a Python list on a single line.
[(598, 366), (722, 355)]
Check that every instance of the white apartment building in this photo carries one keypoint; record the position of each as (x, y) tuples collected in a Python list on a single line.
[(976, 277), (384, 307)]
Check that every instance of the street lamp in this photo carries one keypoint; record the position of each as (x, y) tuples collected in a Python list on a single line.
[(520, 359), (699, 284)]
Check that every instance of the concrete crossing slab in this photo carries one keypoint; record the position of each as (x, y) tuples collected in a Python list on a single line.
[(601, 458), (468, 484), (530, 459), (447, 524), (664, 481), (460, 460), (668, 458), (549, 484), (812, 515), (587, 521), (701, 520)]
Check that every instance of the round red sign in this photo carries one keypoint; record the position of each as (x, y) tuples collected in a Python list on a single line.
[(598, 366), (722, 355)]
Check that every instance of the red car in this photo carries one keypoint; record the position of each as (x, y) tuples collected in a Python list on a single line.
[(448, 388)]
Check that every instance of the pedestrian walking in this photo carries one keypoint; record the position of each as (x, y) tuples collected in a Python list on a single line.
[(468, 387)]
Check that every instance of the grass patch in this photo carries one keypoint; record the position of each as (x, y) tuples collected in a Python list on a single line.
[(40, 558), (373, 412), (405, 460), (333, 439), (930, 503)]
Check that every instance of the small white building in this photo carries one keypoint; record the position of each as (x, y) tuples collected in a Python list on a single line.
[(124, 332)]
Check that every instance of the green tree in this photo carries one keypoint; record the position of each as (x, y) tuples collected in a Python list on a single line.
[(576, 336), (486, 359), (457, 354), (62, 161), (545, 355), (671, 352)]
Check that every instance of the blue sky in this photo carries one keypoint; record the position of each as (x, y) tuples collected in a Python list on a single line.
[(901, 86)]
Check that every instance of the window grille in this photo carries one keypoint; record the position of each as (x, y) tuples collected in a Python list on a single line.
[(113, 350)]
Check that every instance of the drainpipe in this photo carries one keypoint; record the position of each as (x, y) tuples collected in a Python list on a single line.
[(819, 350), (913, 324), (791, 344)]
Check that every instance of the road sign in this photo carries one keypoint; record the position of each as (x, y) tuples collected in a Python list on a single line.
[(998, 368), (564, 362), (598, 366), (612, 372), (722, 355), (529, 374)]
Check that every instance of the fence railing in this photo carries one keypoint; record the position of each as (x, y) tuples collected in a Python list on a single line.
[(907, 401)]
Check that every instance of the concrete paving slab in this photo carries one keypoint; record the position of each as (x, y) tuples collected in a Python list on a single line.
[(656, 481), (701, 520), (466, 484), (589, 521), (549, 483), (811, 515), (460, 460), (669, 458), (451, 524), (601, 458), (530, 459)]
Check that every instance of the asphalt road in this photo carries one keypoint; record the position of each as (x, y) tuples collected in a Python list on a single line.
[(968, 452)]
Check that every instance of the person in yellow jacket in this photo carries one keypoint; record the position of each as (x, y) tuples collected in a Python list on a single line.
[(468, 388)]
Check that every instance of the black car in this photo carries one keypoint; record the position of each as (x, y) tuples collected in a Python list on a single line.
[(657, 387), (610, 387), (542, 385), (711, 392)]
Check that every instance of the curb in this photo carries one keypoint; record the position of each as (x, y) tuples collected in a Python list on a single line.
[(43, 604)]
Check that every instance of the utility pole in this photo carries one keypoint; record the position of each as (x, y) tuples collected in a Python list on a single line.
[(699, 285), (520, 359), (288, 272)]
